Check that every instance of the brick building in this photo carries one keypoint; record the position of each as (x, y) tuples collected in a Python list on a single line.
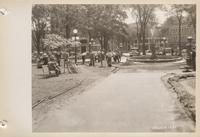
[(173, 35)]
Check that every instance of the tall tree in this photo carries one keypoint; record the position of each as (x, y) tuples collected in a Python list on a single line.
[(138, 35), (90, 20), (64, 18), (178, 11), (191, 10), (40, 14), (109, 22), (165, 27), (145, 14)]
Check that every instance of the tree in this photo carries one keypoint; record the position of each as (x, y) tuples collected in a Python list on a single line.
[(64, 18), (40, 24), (90, 20), (54, 41), (178, 11), (138, 35), (108, 23), (144, 15), (164, 29), (191, 10)]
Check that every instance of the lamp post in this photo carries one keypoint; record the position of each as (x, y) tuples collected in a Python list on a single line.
[(91, 43), (152, 45), (180, 16), (158, 27), (121, 46), (91, 54), (164, 45), (190, 42), (101, 53), (189, 49), (75, 31)]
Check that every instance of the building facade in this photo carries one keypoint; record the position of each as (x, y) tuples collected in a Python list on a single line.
[(173, 35), (148, 41)]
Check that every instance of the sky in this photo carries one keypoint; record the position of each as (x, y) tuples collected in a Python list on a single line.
[(160, 15)]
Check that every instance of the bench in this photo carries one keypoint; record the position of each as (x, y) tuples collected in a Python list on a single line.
[(47, 72)]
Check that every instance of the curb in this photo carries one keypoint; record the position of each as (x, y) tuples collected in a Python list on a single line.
[(185, 98), (155, 60)]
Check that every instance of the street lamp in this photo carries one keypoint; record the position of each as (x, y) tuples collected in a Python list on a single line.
[(190, 42), (189, 49), (164, 41), (90, 47), (120, 46), (158, 27), (101, 56), (152, 45), (179, 16), (75, 31), (90, 44)]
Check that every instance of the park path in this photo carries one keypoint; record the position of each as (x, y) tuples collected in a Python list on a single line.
[(123, 102)]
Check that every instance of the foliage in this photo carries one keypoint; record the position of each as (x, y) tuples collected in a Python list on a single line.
[(191, 10), (178, 11), (189, 20), (144, 15), (53, 41), (64, 18), (39, 25), (170, 21), (92, 21), (180, 14)]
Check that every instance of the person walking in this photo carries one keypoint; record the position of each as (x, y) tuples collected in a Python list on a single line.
[(109, 58), (58, 57), (92, 59), (66, 58), (83, 57)]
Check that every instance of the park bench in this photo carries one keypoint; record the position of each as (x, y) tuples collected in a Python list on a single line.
[(46, 72), (72, 68)]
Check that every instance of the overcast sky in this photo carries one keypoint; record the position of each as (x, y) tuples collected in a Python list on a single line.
[(160, 15)]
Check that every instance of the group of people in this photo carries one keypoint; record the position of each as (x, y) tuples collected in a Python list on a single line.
[(116, 55), (53, 60), (100, 56)]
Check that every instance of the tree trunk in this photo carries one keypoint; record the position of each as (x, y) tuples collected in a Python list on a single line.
[(142, 32), (194, 24), (43, 36), (143, 41), (67, 31), (38, 41), (89, 37), (139, 42), (179, 41), (38, 46), (138, 37), (101, 55), (105, 43)]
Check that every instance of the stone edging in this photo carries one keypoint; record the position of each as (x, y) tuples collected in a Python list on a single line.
[(172, 81), (155, 60)]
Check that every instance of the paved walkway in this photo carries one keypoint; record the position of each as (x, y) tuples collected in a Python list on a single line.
[(132, 102)]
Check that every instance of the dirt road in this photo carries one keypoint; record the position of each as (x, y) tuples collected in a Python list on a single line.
[(126, 101)]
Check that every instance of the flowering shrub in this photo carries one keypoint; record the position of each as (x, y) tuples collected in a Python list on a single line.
[(54, 41)]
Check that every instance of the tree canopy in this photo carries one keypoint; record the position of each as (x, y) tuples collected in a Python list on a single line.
[(144, 15), (53, 41), (93, 21)]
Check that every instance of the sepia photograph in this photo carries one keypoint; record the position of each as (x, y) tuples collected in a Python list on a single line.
[(113, 67)]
